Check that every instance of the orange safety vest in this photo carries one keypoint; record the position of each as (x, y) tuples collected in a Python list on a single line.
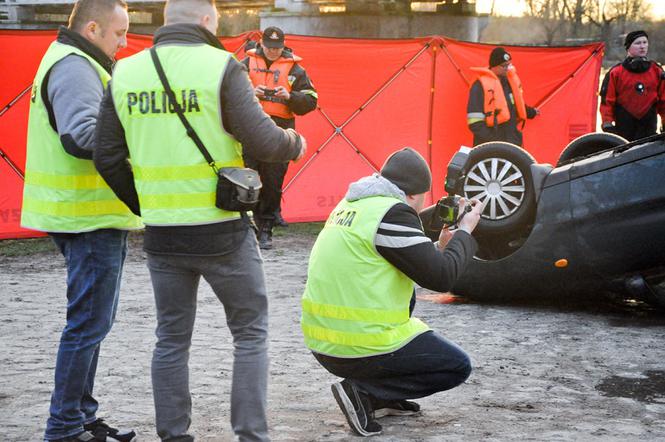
[(495, 99), (277, 75)]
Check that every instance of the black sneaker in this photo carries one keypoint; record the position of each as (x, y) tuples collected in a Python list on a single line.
[(356, 407), (395, 408), (81, 437), (103, 432)]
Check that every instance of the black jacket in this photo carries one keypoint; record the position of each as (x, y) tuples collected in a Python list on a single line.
[(243, 118)]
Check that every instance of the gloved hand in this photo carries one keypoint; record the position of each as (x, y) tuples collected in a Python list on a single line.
[(608, 127)]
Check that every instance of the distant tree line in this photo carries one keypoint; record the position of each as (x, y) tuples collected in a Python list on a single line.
[(575, 21)]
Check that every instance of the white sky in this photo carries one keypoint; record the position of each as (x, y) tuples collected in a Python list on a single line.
[(517, 7)]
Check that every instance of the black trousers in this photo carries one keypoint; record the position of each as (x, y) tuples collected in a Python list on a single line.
[(632, 128), (270, 198), (272, 179), (426, 365)]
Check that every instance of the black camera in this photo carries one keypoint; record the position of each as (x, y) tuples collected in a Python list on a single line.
[(447, 209), (269, 92)]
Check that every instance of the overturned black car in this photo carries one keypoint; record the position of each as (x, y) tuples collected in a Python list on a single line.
[(593, 223)]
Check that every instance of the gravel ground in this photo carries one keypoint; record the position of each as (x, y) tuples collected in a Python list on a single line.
[(595, 373)]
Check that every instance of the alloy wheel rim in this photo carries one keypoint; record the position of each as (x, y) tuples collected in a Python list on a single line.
[(498, 183)]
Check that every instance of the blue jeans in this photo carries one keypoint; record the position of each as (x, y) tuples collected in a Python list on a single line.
[(426, 365), (94, 267)]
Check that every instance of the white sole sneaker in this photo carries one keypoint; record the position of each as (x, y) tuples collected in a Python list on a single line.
[(349, 410)]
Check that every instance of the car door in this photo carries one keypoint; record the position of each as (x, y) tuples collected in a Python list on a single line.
[(618, 209)]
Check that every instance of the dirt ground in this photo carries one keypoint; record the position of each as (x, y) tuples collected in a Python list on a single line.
[(540, 373)]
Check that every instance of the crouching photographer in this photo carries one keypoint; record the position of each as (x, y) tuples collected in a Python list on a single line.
[(359, 298)]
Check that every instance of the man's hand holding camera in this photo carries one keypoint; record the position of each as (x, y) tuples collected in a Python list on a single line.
[(469, 219), (469, 216), (261, 91), (281, 92)]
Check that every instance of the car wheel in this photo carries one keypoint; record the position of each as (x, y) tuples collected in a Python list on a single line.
[(589, 144), (498, 174)]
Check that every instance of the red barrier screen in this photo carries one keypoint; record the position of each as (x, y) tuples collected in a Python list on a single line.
[(375, 96)]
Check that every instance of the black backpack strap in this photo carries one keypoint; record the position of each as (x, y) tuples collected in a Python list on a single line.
[(169, 92)]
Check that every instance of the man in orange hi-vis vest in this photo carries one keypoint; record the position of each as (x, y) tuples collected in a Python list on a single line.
[(284, 91), (496, 110)]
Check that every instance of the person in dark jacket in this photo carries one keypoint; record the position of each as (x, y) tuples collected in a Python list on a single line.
[(284, 90), (359, 298), (496, 110), (632, 94), (173, 188)]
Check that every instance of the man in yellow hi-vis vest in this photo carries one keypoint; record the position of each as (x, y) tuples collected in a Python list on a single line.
[(65, 196), (357, 305), (187, 237)]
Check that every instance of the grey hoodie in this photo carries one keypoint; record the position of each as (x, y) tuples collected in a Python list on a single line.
[(373, 185)]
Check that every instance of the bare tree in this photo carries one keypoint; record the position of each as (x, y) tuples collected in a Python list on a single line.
[(574, 11), (611, 17), (555, 21), (551, 14)]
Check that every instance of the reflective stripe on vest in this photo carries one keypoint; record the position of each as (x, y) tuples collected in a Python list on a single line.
[(277, 75), (495, 98), (356, 303), (174, 183), (63, 193)]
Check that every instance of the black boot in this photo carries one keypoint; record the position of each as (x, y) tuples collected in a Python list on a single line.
[(265, 237), (279, 221)]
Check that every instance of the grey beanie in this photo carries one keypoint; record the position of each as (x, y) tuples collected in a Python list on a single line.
[(408, 170)]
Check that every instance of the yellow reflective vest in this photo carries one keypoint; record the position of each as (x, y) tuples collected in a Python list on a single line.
[(63, 193), (356, 304), (174, 183)]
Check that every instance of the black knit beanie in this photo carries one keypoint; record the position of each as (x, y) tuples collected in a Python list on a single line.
[(632, 36), (408, 170), (498, 56)]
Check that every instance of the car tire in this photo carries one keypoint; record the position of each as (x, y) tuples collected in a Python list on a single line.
[(589, 144), (500, 174)]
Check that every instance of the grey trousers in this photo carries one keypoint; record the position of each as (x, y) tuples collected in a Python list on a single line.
[(238, 281)]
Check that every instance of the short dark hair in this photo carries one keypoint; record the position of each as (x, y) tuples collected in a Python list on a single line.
[(92, 10)]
